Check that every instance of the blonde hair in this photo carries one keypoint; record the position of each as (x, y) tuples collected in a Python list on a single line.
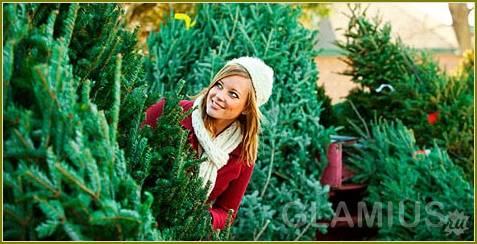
[(249, 122)]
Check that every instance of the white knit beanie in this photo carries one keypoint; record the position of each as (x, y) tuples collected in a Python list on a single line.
[(261, 74)]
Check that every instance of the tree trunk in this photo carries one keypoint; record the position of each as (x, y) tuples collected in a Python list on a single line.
[(460, 22)]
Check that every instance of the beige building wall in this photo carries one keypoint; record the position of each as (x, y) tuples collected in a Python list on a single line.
[(337, 86)]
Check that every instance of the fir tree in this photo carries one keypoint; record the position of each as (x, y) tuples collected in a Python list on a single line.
[(64, 175), (396, 81), (419, 193), (74, 96), (288, 169), (172, 177)]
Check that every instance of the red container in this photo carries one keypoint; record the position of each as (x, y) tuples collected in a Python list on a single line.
[(332, 174)]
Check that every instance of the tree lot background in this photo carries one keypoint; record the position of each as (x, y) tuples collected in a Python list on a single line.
[(77, 167)]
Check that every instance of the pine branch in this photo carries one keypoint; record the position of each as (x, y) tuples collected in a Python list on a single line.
[(69, 174), (50, 27), (262, 230), (42, 180), (73, 231), (69, 23), (117, 100)]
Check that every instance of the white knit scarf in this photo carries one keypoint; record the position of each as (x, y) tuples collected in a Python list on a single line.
[(216, 150)]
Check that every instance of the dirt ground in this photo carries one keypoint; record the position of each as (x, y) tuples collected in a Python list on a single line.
[(337, 86)]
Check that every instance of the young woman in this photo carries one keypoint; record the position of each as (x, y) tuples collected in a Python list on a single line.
[(224, 129)]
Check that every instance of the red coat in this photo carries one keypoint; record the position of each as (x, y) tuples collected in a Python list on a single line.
[(232, 179)]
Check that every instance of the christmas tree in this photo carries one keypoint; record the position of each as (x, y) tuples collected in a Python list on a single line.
[(171, 176), (293, 143), (75, 162), (64, 175), (416, 155), (398, 82), (421, 195)]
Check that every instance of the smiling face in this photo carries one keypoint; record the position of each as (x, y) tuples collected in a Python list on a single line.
[(227, 100)]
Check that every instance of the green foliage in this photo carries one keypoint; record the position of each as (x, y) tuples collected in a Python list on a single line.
[(293, 142), (74, 96), (181, 214), (328, 116), (419, 89), (64, 174), (429, 189), (457, 98)]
